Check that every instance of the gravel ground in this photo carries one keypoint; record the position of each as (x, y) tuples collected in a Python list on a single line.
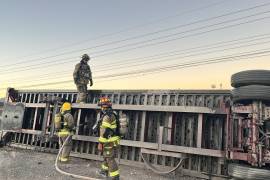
[(18, 164)]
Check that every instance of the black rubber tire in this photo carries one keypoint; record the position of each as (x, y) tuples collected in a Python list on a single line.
[(251, 77), (252, 92), (247, 172)]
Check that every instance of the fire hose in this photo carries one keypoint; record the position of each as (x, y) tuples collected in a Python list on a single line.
[(158, 171), (66, 173)]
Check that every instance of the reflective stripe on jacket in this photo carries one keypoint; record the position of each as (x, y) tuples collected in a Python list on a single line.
[(115, 139), (64, 132), (108, 122)]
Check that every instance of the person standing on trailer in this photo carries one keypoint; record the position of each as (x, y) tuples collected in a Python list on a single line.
[(82, 75), (64, 125)]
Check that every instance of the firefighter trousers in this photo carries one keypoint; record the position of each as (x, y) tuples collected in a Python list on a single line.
[(109, 164), (64, 156), (82, 93)]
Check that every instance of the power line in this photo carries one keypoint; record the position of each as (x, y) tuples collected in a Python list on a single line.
[(192, 55), (135, 37), (184, 55), (160, 70), (111, 64), (130, 28), (191, 65), (175, 53), (190, 50), (169, 67), (183, 32), (176, 65), (195, 34), (166, 41), (155, 61), (182, 37)]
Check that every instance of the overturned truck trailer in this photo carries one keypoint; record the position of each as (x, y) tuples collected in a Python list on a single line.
[(205, 132), (164, 126)]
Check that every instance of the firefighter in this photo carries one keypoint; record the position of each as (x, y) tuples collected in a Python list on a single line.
[(109, 139), (64, 124), (82, 75)]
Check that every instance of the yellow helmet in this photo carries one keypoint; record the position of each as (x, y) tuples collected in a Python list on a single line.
[(66, 107)]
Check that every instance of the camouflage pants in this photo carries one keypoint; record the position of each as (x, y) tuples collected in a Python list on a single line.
[(109, 164), (82, 90), (67, 148)]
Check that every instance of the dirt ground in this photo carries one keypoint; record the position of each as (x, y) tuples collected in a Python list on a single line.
[(18, 164)]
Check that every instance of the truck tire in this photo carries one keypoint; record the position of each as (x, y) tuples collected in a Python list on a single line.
[(251, 77), (252, 92), (246, 172)]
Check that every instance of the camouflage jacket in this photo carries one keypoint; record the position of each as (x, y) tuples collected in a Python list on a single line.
[(82, 73)]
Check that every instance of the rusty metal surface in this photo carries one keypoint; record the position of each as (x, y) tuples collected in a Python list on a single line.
[(249, 127)]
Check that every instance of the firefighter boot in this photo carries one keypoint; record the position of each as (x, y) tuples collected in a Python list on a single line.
[(102, 173), (116, 178)]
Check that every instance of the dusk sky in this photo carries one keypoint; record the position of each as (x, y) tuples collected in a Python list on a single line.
[(134, 44)]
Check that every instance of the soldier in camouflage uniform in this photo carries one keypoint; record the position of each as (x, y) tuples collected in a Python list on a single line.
[(82, 76)]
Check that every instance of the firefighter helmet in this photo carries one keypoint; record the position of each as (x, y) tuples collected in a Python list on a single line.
[(66, 107), (104, 102), (85, 57)]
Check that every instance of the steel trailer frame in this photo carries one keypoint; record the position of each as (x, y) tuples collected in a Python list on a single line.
[(196, 121)]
